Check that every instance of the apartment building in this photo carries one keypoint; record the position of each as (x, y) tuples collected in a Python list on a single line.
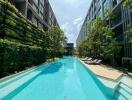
[(122, 17), (37, 11)]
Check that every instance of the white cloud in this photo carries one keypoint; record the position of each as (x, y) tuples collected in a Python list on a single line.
[(64, 26), (71, 28), (67, 34), (77, 20), (68, 14)]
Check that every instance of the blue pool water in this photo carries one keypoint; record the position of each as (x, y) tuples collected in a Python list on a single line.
[(64, 79)]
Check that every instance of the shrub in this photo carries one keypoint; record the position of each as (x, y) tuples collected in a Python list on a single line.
[(10, 21), (1, 18), (127, 62), (16, 56), (10, 32), (22, 44)]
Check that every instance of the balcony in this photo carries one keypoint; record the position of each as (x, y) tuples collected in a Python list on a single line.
[(116, 18), (118, 31)]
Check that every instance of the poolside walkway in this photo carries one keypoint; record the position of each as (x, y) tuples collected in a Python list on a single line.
[(103, 71)]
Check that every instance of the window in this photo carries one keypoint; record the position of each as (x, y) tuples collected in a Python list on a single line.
[(99, 13), (91, 13), (42, 2), (118, 1), (107, 7), (50, 22), (29, 15), (50, 15), (35, 1), (40, 25), (35, 8), (35, 21), (41, 15), (97, 1), (41, 8), (114, 3), (106, 4)]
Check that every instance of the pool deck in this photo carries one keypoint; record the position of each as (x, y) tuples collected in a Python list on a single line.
[(103, 71)]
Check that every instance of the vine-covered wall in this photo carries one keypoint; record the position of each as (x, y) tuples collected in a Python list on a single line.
[(21, 42)]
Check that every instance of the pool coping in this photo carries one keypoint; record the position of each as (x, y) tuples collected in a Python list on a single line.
[(108, 78), (116, 81), (21, 72), (15, 74)]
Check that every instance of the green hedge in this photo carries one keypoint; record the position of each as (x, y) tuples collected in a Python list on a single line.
[(127, 63), (16, 56), (22, 44)]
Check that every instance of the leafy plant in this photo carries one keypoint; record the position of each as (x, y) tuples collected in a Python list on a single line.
[(13, 53), (100, 42), (56, 39), (127, 62), (23, 44)]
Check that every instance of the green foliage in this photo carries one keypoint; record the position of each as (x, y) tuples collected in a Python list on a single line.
[(10, 21), (100, 43), (127, 62), (108, 11), (10, 32), (127, 2), (16, 56), (57, 39), (1, 18), (23, 44)]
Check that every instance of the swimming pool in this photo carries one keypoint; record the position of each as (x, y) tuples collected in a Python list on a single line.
[(63, 79)]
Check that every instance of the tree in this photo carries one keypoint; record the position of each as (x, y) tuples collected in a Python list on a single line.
[(100, 43), (110, 46), (126, 2), (57, 40)]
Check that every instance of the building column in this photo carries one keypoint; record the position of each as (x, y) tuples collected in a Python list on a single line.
[(102, 9), (26, 8)]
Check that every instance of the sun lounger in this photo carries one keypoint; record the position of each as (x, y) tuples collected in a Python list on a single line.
[(84, 58), (88, 59), (94, 62), (98, 62), (91, 61)]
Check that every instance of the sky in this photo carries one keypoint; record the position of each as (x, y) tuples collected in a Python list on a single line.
[(70, 15)]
